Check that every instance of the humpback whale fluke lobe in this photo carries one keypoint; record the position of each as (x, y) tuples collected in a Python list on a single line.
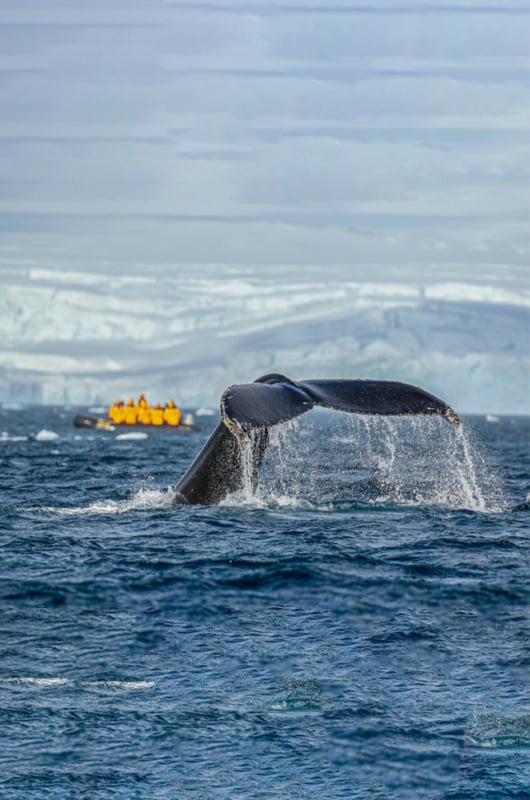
[(248, 410)]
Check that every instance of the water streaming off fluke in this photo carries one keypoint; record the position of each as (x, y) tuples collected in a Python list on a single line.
[(419, 461)]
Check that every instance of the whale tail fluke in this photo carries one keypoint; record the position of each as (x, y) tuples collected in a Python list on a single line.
[(274, 398), (248, 410)]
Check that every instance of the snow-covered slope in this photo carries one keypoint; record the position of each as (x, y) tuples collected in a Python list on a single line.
[(86, 337)]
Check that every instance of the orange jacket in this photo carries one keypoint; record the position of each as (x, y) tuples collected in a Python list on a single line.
[(140, 402), (118, 417), (113, 410), (172, 415), (144, 415), (157, 415), (130, 415)]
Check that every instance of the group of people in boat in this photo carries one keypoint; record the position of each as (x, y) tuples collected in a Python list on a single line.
[(141, 413)]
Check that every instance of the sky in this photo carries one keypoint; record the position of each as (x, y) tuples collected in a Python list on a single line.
[(383, 142)]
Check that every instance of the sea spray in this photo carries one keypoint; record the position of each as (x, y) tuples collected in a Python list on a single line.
[(143, 498), (420, 461), (424, 461), (282, 454), (287, 458), (246, 456)]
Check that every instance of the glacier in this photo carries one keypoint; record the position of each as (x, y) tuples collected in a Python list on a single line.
[(83, 335)]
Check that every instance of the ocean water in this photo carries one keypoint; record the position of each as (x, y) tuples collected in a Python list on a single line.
[(358, 628)]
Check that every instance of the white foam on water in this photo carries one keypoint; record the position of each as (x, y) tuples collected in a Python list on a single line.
[(44, 683), (496, 731), (270, 499), (296, 695), (45, 435), (132, 436), (125, 685), (39, 682), (7, 437), (144, 498)]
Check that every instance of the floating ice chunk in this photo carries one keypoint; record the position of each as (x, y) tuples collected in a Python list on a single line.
[(45, 435), (131, 436)]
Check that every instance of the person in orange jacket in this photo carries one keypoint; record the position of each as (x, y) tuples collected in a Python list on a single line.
[(115, 409), (172, 414), (131, 416), (157, 415), (140, 402), (144, 413), (118, 417)]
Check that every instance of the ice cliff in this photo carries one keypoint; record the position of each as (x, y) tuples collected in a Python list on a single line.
[(86, 336)]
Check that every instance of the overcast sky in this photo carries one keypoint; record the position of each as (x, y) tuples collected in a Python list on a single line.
[(268, 149), (312, 133)]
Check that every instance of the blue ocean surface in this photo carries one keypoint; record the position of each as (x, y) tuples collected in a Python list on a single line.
[(357, 628)]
